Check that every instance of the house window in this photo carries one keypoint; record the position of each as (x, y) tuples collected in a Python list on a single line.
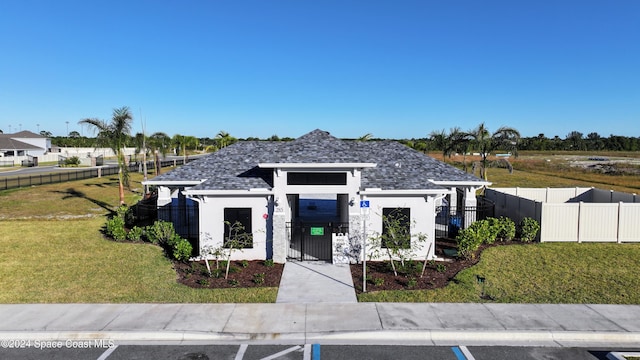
[(242, 216), (303, 178), (396, 228)]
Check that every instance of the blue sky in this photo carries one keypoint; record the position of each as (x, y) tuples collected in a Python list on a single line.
[(396, 69)]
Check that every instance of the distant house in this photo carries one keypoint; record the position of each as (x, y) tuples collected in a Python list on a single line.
[(24, 143), (299, 198)]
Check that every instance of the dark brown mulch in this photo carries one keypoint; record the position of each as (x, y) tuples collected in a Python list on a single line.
[(241, 274), (437, 274)]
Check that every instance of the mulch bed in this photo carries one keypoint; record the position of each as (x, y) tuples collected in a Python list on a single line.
[(379, 273), (437, 273), (245, 274)]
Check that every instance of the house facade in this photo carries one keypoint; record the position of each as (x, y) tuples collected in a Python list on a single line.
[(24, 143), (312, 198)]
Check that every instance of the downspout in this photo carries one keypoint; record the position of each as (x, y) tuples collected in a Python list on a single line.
[(200, 200)]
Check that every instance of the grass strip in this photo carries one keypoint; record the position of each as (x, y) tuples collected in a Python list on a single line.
[(540, 273)]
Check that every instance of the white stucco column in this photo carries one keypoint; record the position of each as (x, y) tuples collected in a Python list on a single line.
[(453, 201), (470, 201)]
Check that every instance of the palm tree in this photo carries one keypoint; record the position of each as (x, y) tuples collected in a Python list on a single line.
[(223, 139), (159, 143), (366, 137), (440, 142), (114, 135), (140, 141), (485, 142), (460, 142), (182, 142)]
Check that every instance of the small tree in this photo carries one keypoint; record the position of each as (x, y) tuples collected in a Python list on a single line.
[(396, 241), (236, 239)]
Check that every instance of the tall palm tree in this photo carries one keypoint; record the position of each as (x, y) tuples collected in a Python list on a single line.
[(182, 142), (140, 141), (460, 142), (504, 138), (159, 143), (440, 142), (223, 139), (114, 135)]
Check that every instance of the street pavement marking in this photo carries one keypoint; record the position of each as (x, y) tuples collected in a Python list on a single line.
[(467, 353), (241, 351), (108, 352), (458, 353), (307, 352), (316, 351), (283, 352)]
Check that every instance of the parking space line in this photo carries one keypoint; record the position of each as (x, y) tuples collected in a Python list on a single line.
[(458, 353), (306, 355), (467, 353), (283, 352), (108, 352), (241, 351), (316, 351)]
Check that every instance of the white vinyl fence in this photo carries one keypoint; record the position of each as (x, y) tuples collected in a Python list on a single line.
[(572, 214)]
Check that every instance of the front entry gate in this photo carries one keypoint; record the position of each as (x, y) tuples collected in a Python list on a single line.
[(312, 240)]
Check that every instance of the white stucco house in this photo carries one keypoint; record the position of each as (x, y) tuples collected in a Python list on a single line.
[(24, 143), (302, 199)]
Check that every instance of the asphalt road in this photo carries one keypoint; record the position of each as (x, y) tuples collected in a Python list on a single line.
[(82, 350)]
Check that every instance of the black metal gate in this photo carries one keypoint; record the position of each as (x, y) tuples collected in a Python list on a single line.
[(312, 240), (449, 220)]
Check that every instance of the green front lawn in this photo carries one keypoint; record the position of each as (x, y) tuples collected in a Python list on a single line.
[(68, 261), (540, 273), (51, 250)]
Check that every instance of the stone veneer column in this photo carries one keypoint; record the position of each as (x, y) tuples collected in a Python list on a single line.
[(355, 233), (280, 238)]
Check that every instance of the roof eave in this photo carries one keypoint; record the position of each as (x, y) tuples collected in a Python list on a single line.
[(404, 192), (316, 165), (173, 182), (250, 192), (462, 183)]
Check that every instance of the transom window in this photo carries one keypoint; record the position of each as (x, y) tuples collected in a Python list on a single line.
[(310, 178)]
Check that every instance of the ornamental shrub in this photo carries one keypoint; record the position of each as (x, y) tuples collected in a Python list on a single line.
[(468, 243), (135, 234), (160, 232), (482, 230), (182, 250), (115, 229), (528, 229), (507, 229), (470, 239), (494, 227), (72, 161)]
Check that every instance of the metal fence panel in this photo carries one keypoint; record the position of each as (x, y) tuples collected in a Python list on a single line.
[(71, 175)]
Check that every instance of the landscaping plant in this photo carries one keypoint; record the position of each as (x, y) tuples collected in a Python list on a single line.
[(396, 242), (528, 229)]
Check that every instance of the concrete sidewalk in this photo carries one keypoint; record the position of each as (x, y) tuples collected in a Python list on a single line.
[(330, 323), (316, 282)]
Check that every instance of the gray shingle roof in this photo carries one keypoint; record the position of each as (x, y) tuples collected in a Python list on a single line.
[(236, 167)]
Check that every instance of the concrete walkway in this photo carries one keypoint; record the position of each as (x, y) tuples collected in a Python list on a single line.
[(315, 282), (327, 323)]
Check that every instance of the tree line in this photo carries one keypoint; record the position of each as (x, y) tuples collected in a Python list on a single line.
[(574, 141), (116, 135)]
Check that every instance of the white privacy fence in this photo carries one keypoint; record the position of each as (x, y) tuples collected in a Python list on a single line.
[(572, 214)]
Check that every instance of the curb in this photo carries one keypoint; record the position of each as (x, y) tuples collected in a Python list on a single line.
[(406, 337)]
